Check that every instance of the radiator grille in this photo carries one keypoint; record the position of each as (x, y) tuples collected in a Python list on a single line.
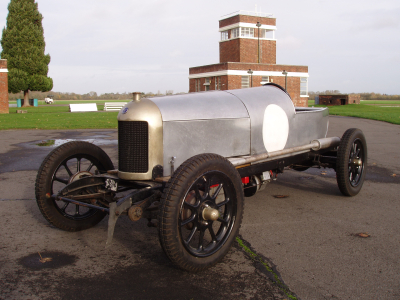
[(133, 146)]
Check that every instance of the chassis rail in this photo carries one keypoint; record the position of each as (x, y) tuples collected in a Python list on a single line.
[(144, 193)]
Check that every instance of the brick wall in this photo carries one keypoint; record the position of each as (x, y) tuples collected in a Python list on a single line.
[(229, 51), (208, 68), (333, 99), (192, 86), (266, 67), (232, 82), (246, 50), (3, 88), (229, 21), (224, 83), (247, 19), (354, 99), (235, 81), (243, 53), (267, 52), (293, 87), (339, 99), (246, 66)]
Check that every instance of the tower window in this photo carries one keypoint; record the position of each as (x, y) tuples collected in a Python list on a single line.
[(224, 35), (265, 79), (266, 34), (247, 32), (197, 85), (235, 32), (207, 84), (245, 82), (218, 83), (303, 86)]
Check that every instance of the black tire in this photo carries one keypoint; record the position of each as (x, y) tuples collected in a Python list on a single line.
[(351, 162), (190, 241), (57, 171)]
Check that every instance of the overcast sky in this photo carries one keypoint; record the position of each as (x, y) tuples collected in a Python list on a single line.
[(131, 45)]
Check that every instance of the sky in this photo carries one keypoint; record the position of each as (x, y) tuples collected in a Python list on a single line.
[(148, 46)]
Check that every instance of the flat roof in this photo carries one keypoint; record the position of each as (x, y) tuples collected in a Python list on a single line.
[(247, 13)]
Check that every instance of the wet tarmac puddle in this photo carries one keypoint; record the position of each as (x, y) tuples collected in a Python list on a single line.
[(58, 142), (47, 260)]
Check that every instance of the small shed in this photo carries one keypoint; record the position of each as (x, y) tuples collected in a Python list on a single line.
[(339, 99)]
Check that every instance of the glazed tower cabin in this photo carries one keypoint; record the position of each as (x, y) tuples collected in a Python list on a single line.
[(247, 55)]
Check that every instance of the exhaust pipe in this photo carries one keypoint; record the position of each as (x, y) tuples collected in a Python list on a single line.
[(314, 145)]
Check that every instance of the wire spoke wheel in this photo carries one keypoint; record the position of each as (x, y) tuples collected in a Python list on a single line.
[(73, 168), (351, 162), (201, 211), (65, 164)]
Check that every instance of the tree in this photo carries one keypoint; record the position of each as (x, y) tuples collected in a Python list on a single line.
[(93, 94), (23, 47)]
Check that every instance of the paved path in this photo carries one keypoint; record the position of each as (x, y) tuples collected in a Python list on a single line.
[(134, 267), (310, 237)]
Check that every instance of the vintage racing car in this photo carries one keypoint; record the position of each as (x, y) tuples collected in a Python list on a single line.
[(186, 162)]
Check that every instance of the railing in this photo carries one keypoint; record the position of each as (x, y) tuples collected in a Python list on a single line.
[(248, 13)]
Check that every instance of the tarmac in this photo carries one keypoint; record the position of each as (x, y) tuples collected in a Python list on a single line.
[(318, 243)]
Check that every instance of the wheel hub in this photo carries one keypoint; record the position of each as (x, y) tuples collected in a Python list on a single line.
[(356, 162), (210, 214)]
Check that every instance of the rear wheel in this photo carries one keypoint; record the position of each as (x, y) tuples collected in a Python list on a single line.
[(201, 212), (65, 164), (351, 162)]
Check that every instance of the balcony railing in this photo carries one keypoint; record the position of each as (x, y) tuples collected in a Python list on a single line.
[(248, 13)]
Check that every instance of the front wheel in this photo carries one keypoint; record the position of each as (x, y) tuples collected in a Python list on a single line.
[(351, 162), (201, 212), (63, 165)]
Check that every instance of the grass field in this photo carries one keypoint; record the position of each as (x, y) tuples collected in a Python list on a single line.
[(53, 116), (379, 113), (59, 117), (66, 102), (386, 114), (380, 110), (383, 102)]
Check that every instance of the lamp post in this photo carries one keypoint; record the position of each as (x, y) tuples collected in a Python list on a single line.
[(258, 50), (285, 74), (250, 72)]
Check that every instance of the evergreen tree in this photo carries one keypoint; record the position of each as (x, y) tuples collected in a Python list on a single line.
[(23, 47)]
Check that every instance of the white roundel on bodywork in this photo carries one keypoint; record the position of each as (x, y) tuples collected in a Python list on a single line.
[(275, 128)]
